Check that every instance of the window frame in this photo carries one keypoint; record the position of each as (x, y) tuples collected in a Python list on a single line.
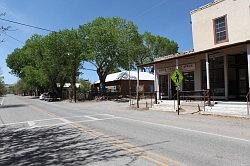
[(226, 28)]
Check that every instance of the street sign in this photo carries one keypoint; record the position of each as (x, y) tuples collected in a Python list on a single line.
[(177, 77)]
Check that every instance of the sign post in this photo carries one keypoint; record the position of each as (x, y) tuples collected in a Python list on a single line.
[(177, 78)]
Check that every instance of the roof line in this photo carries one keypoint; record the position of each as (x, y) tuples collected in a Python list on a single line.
[(175, 56), (206, 6)]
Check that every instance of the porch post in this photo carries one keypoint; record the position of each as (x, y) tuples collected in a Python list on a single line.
[(178, 90), (177, 63), (226, 76), (208, 78), (156, 84), (248, 64), (207, 72), (137, 87)]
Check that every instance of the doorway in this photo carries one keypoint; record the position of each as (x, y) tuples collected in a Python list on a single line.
[(163, 86), (237, 76), (187, 84)]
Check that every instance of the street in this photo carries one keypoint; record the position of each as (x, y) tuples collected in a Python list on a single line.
[(35, 132)]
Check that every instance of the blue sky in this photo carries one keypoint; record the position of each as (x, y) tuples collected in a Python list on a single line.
[(168, 18)]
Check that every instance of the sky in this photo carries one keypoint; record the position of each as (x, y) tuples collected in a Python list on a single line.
[(168, 18)]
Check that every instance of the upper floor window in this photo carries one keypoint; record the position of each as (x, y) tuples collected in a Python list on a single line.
[(220, 30)]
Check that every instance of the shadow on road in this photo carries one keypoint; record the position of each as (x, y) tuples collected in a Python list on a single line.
[(13, 106), (54, 146)]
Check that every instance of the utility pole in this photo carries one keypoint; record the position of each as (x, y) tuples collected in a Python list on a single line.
[(130, 96)]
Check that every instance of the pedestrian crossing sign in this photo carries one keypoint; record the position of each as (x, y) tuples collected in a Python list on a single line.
[(177, 77)]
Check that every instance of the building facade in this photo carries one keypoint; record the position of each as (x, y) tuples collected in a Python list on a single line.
[(124, 83), (221, 56)]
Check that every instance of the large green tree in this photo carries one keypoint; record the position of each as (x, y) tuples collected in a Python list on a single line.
[(26, 63), (75, 55), (55, 63), (112, 43), (21, 88), (45, 61), (155, 46)]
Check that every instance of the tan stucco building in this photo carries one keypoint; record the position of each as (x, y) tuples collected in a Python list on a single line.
[(220, 60)]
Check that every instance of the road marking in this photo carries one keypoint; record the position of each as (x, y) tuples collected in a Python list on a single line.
[(94, 133), (93, 118), (126, 149), (189, 130), (2, 101), (115, 141), (47, 119), (66, 122)]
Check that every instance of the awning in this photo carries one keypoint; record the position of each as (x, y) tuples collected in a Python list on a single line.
[(187, 54)]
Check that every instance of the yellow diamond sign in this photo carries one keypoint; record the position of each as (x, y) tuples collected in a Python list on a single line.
[(177, 77)]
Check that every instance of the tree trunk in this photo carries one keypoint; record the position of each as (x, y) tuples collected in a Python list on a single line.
[(73, 84), (102, 78), (61, 90)]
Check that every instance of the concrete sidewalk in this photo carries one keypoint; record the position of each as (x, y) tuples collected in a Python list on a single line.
[(226, 108), (222, 108)]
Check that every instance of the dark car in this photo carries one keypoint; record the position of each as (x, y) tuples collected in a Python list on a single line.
[(51, 96)]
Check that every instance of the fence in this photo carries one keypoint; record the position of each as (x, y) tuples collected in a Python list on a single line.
[(196, 99), (144, 100)]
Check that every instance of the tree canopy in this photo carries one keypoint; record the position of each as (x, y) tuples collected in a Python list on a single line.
[(47, 60), (155, 46), (110, 44)]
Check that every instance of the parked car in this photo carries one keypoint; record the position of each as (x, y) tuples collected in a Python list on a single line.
[(51, 96), (42, 96)]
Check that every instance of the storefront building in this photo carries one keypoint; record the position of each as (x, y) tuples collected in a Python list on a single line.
[(220, 60)]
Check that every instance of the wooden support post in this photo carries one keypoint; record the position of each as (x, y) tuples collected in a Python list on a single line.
[(178, 91), (137, 87), (208, 79), (248, 62)]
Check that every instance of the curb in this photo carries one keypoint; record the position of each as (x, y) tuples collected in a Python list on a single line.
[(226, 115)]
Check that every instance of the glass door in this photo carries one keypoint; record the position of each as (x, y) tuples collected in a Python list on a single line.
[(163, 86), (188, 82), (242, 82), (237, 76)]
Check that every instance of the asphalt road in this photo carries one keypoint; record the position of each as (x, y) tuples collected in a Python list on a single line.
[(36, 132)]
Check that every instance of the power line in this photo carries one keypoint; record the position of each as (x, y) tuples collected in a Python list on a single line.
[(27, 25), (12, 37), (151, 8)]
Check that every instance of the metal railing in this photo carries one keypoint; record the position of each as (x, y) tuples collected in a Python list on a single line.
[(146, 100), (207, 96)]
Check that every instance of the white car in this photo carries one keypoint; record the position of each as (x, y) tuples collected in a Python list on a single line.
[(42, 96)]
